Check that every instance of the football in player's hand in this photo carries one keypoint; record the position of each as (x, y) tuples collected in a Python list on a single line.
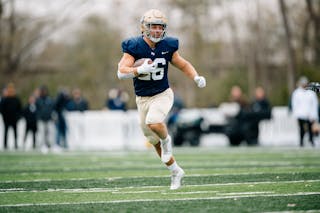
[(140, 61)]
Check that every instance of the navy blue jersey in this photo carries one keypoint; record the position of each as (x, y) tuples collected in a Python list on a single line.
[(152, 83)]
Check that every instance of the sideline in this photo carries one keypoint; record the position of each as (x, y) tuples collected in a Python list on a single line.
[(116, 189), (152, 200)]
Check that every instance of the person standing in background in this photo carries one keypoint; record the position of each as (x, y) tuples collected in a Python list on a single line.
[(237, 120), (60, 119), (30, 114), (260, 110), (45, 106), (10, 108), (117, 100), (77, 102), (304, 105)]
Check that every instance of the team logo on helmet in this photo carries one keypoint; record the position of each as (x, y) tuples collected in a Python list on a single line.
[(153, 17)]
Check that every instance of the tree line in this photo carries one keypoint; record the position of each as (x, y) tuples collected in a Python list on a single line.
[(247, 43)]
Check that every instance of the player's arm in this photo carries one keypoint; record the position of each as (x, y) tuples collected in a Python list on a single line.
[(125, 67), (188, 69)]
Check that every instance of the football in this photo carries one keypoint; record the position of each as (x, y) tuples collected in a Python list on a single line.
[(140, 61)]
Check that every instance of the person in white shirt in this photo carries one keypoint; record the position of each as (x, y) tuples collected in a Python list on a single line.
[(305, 108)]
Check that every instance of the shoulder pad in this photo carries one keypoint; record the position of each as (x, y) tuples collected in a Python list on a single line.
[(172, 42), (130, 45)]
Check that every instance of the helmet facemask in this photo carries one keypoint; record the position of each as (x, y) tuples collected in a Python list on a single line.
[(151, 18), (148, 33)]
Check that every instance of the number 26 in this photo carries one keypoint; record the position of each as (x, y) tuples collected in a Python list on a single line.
[(159, 72)]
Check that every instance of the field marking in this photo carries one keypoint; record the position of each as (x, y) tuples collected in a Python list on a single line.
[(116, 189), (11, 189), (152, 200), (165, 193), (77, 190), (296, 211), (134, 177), (246, 193), (186, 193), (69, 179), (137, 192), (256, 183)]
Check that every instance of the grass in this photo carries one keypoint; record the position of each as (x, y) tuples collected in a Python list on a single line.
[(244, 179)]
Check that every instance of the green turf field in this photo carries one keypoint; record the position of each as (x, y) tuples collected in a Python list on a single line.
[(221, 179)]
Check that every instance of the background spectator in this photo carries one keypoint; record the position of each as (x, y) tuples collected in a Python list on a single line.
[(30, 115), (236, 126), (45, 105), (245, 124), (60, 120), (304, 108), (77, 102), (260, 109), (117, 100), (10, 108)]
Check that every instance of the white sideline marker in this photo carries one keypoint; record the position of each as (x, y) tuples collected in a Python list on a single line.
[(116, 189), (152, 200)]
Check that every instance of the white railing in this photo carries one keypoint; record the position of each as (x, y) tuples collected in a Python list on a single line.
[(116, 130)]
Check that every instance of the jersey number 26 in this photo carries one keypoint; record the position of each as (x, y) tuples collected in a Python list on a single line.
[(158, 73)]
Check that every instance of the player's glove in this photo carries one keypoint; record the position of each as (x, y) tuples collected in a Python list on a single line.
[(200, 81), (146, 67)]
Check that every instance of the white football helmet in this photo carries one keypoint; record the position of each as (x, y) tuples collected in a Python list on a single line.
[(153, 17)]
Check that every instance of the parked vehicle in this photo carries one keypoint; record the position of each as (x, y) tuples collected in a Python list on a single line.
[(190, 125)]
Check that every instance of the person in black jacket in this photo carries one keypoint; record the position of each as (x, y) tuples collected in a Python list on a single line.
[(60, 120), (260, 109), (10, 108), (30, 115), (236, 123), (244, 126)]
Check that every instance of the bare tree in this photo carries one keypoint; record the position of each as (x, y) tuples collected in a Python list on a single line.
[(1, 14), (290, 51), (315, 19), (21, 34)]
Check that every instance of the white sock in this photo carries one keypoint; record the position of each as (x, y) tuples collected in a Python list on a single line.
[(173, 167)]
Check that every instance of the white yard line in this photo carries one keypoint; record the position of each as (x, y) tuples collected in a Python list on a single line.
[(71, 179), (116, 189), (151, 200), (296, 211), (245, 193), (166, 193), (255, 183), (80, 190), (130, 177), (137, 192), (12, 189), (187, 193)]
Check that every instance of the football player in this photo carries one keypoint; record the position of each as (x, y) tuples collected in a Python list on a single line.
[(154, 97)]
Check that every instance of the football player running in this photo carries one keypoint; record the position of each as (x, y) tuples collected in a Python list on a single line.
[(154, 97)]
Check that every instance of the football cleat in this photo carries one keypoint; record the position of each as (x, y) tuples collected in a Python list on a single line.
[(166, 151), (176, 178)]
